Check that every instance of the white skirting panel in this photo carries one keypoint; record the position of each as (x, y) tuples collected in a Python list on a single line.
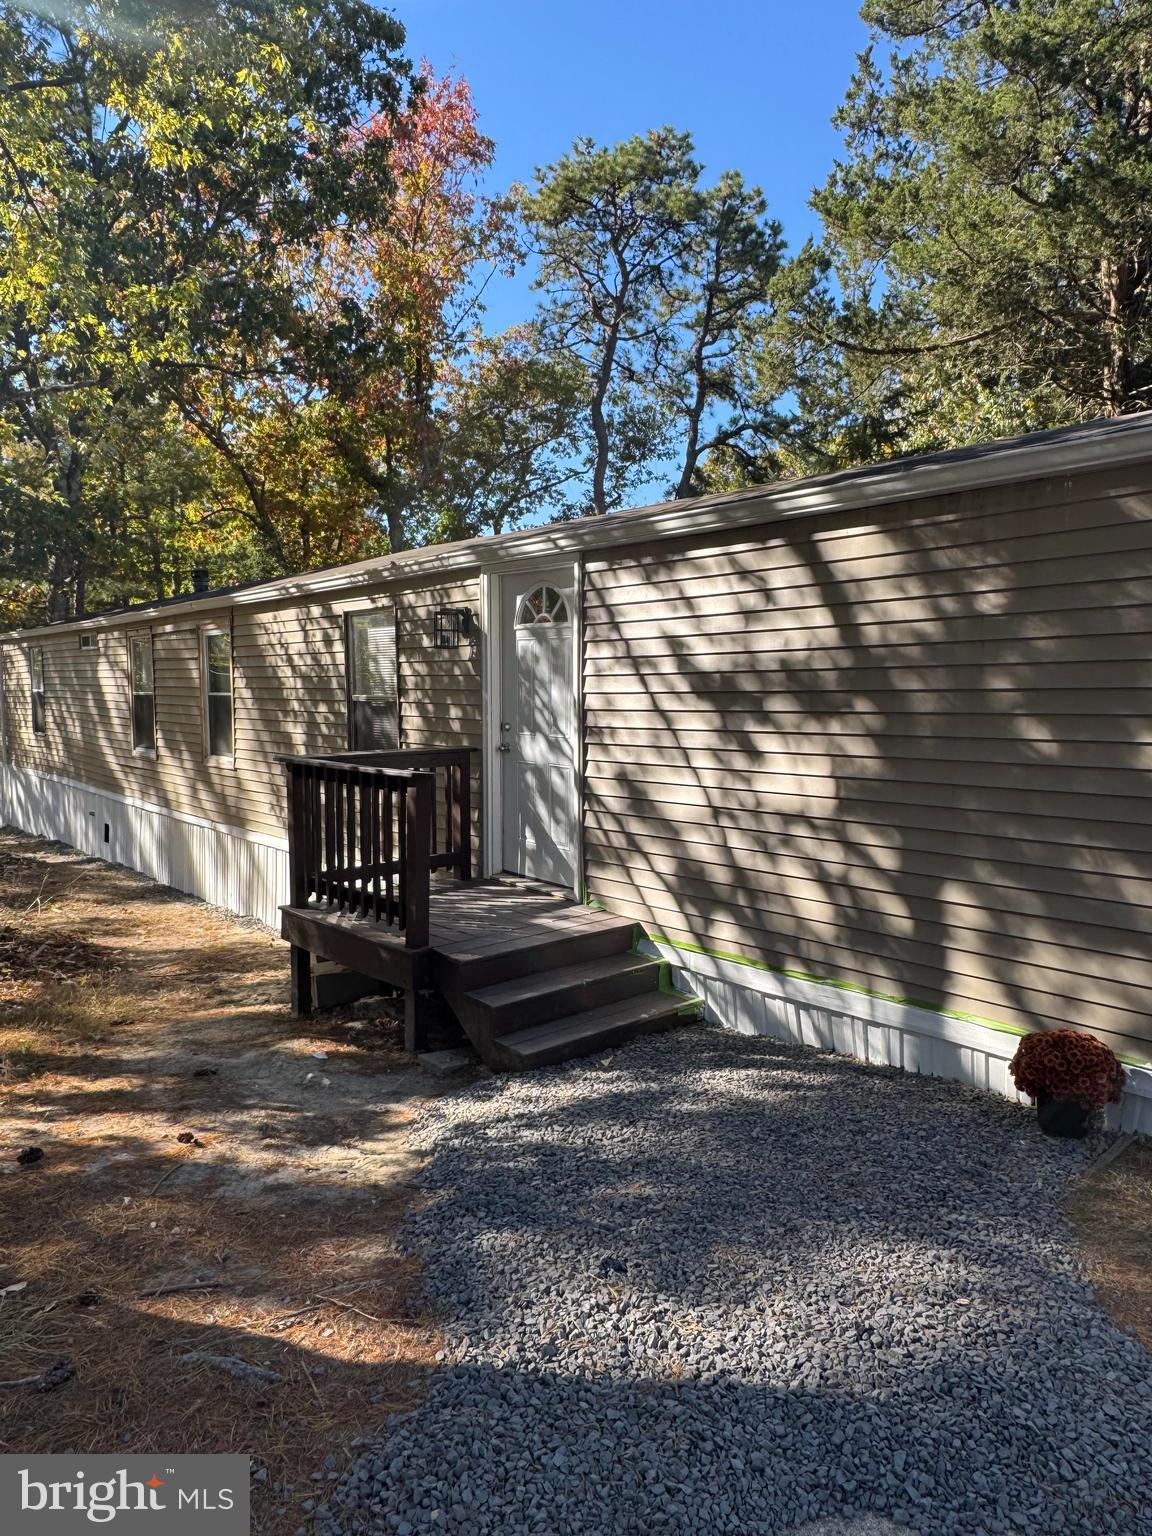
[(753, 1001), (243, 872)]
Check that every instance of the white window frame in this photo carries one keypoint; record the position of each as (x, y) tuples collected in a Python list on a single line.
[(134, 637), (207, 631)]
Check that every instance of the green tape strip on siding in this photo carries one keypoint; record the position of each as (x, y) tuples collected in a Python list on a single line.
[(841, 986), (851, 986)]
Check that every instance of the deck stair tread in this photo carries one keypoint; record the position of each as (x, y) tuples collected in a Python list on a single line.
[(597, 1028), (524, 990)]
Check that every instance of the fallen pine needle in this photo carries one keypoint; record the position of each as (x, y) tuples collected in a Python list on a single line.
[(188, 1285), (167, 1174), (371, 1316)]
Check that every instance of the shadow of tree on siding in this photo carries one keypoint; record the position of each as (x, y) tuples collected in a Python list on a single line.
[(935, 785)]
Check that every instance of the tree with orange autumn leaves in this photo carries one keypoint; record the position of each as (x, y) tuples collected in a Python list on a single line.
[(287, 365), (422, 427), (310, 386), (445, 431)]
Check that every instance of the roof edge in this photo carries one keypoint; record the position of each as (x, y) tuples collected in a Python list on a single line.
[(1113, 444)]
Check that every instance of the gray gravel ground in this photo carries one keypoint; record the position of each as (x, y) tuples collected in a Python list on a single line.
[(715, 1284)]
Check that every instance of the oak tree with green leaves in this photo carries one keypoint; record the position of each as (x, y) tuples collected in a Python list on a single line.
[(162, 169)]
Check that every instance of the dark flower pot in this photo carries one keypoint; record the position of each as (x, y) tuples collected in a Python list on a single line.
[(1063, 1117)]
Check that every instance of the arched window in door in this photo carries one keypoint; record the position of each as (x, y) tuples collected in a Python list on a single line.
[(543, 605)]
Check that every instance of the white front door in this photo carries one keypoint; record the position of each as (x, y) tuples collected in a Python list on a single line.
[(537, 726)]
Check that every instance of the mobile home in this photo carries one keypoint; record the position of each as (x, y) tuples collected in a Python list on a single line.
[(864, 758)]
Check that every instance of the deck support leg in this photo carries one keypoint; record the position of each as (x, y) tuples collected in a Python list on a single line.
[(301, 982), (420, 1014)]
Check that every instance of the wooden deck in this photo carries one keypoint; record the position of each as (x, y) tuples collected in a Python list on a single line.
[(471, 922), (531, 975), (468, 922), (478, 932)]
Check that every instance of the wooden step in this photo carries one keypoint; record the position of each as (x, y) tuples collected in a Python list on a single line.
[(588, 936), (535, 999), (583, 1034)]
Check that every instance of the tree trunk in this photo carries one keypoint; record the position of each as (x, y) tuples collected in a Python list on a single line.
[(600, 424), (59, 588), (600, 394), (157, 561), (699, 399), (1116, 282), (62, 567), (394, 522)]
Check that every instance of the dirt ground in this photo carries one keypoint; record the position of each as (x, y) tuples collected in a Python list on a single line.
[(186, 1172), (1111, 1213)]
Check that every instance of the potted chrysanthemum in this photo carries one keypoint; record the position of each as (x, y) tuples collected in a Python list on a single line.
[(1071, 1076)]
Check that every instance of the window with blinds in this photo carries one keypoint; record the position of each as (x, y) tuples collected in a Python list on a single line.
[(370, 641)]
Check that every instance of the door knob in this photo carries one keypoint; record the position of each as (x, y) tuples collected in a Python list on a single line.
[(503, 747)]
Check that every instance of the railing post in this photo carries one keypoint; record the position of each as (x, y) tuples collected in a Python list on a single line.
[(299, 844), (462, 829), (297, 836), (419, 808)]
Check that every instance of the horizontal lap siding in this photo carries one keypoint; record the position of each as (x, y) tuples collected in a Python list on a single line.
[(908, 751), (289, 687), (290, 698), (89, 725)]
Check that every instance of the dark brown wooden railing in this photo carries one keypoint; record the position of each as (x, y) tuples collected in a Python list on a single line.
[(364, 835)]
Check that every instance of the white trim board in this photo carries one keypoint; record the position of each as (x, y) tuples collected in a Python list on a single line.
[(754, 1001), (491, 842)]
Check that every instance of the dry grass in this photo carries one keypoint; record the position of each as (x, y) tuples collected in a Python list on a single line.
[(87, 1009), (216, 1177), (1111, 1214)]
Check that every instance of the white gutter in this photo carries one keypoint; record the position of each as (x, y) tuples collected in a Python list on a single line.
[(1111, 445)]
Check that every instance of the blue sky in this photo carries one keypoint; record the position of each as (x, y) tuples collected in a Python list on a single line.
[(755, 85)]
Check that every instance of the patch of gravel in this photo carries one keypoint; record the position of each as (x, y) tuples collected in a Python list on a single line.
[(722, 1285)]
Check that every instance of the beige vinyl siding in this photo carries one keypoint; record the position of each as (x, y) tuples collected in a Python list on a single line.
[(907, 750), (88, 734), (289, 694), (439, 690)]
